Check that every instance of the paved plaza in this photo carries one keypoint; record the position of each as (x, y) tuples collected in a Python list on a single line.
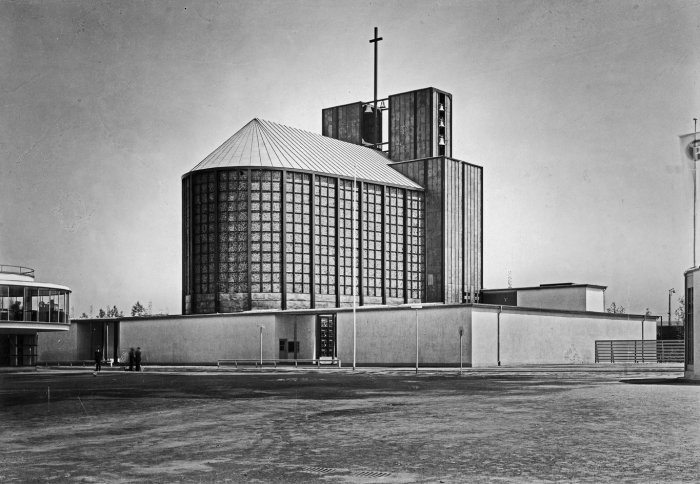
[(557, 424)]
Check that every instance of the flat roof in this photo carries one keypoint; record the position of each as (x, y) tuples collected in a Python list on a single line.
[(560, 285), (43, 285)]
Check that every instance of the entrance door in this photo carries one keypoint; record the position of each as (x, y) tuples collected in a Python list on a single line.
[(283, 349), (326, 336)]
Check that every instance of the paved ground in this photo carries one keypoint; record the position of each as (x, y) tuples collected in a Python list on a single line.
[(596, 424)]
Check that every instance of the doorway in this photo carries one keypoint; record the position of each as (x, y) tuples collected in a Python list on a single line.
[(326, 336)]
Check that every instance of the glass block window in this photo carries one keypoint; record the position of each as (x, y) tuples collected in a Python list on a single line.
[(266, 231), (345, 236), (324, 235), (394, 242), (298, 232), (186, 231), (204, 232), (233, 231), (415, 248), (372, 231)]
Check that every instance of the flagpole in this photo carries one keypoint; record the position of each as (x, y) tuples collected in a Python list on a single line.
[(695, 187)]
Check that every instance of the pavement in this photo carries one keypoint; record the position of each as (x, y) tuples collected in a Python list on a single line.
[(603, 423)]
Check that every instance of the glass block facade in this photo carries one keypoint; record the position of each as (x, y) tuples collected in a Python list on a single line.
[(325, 220), (298, 233), (265, 231), (346, 233), (372, 246), (282, 239)]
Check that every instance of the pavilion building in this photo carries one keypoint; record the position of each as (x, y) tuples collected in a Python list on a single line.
[(27, 308)]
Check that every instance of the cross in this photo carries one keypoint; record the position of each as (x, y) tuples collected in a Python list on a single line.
[(375, 41)]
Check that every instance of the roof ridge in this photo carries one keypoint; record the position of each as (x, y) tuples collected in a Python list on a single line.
[(275, 136)]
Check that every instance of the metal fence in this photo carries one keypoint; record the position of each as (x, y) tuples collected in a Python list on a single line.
[(640, 351)]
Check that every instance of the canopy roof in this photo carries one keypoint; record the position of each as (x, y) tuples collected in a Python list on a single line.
[(265, 144)]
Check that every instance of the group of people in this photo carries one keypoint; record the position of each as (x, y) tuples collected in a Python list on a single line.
[(134, 359)]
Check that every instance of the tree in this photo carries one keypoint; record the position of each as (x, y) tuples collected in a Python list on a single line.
[(680, 310), (112, 312), (83, 316), (138, 310), (615, 309)]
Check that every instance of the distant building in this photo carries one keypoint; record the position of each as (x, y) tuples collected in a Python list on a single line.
[(564, 296), (27, 308)]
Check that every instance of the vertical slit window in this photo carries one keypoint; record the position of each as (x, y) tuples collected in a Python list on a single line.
[(415, 248)]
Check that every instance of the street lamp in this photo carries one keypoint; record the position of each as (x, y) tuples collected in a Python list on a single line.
[(416, 307), (261, 345), (670, 291)]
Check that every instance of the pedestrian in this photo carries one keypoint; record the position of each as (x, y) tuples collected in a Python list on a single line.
[(137, 358), (132, 357), (98, 359)]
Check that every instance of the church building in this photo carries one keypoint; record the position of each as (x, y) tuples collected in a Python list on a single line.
[(271, 218), (362, 245)]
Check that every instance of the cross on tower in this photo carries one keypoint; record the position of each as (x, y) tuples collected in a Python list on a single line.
[(375, 41)]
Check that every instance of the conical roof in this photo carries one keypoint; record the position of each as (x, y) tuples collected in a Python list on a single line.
[(264, 144)]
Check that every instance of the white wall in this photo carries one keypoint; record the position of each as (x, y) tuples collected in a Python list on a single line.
[(595, 299), (306, 333), (565, 298), (200, 339), (389, 337), (57, 345), (547, 338)]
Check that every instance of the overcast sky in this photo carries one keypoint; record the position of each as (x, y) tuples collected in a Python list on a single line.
[(572, 108)]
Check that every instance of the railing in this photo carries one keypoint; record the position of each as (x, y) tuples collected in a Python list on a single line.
[(21, 270), (640, 351), (276, 361), (68, 363)]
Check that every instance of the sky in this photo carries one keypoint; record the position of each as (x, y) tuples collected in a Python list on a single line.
[(573, 108)]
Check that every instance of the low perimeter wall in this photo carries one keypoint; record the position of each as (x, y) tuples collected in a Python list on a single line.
[(388, 336), (384, 336), (199, 339), (518, 336)]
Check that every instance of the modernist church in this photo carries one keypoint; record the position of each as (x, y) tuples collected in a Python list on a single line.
[(348, 246), (275, 217)]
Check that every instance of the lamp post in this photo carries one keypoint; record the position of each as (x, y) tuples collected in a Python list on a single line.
[(461, 333), (353, 262), (261, 358), (670, 291), (416, 307)]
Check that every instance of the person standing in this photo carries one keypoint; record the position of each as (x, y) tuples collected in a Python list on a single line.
[(132, 359), (137, 358), (98, 359)]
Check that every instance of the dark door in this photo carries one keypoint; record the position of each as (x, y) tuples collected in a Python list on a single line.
[(326, 336), (283, 349)]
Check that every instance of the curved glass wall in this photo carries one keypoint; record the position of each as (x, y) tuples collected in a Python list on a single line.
[(33, 304), (282, 239)]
